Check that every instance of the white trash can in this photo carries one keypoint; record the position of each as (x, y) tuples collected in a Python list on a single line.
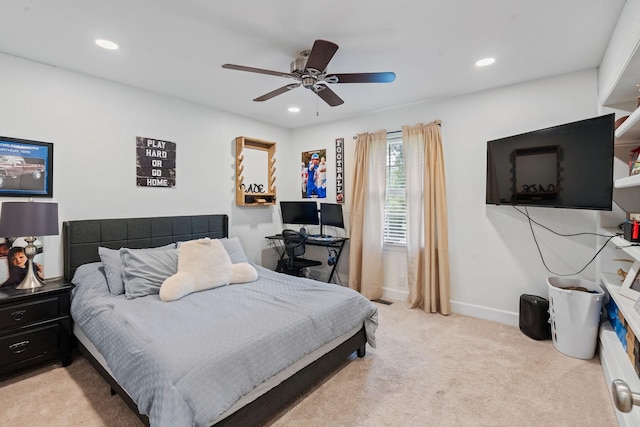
[(574, 316)]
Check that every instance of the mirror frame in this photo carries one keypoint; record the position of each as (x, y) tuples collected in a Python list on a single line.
[(267, 197)]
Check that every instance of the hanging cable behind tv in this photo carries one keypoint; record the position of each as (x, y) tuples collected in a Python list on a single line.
[(531, 222)]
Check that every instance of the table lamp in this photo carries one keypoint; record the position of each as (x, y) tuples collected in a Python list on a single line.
[(18, 219)]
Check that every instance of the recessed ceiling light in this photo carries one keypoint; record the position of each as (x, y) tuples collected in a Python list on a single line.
[(485, 61), (107, 44), (294, 109)]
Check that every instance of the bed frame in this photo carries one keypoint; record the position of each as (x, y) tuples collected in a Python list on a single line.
[(81, 240)]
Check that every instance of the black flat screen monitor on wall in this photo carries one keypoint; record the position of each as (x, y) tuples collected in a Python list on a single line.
[(301, 213), (330, 215), (566, 166)]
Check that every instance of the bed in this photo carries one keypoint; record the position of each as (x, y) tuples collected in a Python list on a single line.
[(234, 355)]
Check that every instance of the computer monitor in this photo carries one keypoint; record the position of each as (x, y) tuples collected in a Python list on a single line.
[(331, 215), (302, 213)]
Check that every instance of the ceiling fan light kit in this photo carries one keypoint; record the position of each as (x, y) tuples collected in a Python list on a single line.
[(309, 71)]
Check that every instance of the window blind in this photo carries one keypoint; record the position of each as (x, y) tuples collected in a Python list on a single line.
[(395, 206)]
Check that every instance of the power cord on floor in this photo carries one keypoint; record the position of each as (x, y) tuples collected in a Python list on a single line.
[(531, 222)]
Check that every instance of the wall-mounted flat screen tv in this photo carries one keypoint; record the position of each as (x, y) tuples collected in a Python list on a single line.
[(565, 166)]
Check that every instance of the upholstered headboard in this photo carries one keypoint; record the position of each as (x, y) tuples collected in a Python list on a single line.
[(81, 238)]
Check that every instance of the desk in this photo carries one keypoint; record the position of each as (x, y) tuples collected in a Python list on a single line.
[(336, 243)]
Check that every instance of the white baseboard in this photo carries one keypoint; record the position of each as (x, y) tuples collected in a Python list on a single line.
[(480, 312), (471, 310), (394, 294)]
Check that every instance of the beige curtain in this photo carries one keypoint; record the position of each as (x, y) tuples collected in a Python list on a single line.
[(427, 229), (367, 214)]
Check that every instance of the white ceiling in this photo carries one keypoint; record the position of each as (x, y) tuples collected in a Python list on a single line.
[(177, 47)]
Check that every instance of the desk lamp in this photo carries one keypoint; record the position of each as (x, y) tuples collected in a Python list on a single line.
[(29, 219)]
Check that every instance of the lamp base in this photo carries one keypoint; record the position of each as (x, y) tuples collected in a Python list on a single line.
[(31, 279)]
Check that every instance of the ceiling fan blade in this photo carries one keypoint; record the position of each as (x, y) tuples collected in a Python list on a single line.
[(276, 92), (387, 77), (321, 53), (256, 70), (328, 95)]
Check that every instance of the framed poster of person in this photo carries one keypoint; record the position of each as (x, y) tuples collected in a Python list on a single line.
[(314, 174)]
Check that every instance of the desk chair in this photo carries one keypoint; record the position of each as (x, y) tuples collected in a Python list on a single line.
[(294, 263)]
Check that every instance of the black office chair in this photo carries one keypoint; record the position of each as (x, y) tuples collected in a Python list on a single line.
[(294, 263)]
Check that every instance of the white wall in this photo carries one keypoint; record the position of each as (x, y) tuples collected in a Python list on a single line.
[(493, 257), (93, 124)]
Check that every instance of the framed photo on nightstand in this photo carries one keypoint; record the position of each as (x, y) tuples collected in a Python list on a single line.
[(13, 261), (631, 284)]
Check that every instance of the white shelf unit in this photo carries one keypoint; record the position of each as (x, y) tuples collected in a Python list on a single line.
[(626, 190), (626, 246), (629, 131), (615, 361), (627, 182), (618, 77), (613, 357)]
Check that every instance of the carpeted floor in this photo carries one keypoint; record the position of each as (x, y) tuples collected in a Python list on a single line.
[(428, 370)]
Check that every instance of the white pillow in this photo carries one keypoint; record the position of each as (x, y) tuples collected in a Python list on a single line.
[(204, 264), (233, 247), (243, 272)]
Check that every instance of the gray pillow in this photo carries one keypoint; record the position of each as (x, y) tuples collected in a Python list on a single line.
[(143, 271), (234, 248), (112, 269), (112, 264)]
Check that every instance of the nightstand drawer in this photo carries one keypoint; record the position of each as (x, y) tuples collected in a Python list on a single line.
[(16, 315), (37, 342)]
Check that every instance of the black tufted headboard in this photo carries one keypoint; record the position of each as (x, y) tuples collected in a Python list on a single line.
[(81, 238)]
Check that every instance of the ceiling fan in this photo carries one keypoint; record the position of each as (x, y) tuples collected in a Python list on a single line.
[(309, 71)]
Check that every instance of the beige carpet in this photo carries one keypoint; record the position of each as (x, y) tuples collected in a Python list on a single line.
[(428, 370)]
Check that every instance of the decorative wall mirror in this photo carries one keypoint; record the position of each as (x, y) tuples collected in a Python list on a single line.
[(255, 172)]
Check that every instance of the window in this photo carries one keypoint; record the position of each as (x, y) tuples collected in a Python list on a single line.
[(395, 204)]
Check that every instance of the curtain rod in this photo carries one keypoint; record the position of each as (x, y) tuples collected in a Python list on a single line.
[(393, 131), (388, 133)]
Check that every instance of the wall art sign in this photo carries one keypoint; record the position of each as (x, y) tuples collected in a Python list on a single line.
[(314, 174), (26, 168), (339, 170), (155, 162)]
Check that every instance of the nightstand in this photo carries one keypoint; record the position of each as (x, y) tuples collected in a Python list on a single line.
[(35, 325)]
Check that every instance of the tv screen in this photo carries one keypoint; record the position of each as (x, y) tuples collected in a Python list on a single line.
[(331, 215), (303, 213), (566, 166)]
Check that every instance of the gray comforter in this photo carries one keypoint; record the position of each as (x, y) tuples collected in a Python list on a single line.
[(186, 362)]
